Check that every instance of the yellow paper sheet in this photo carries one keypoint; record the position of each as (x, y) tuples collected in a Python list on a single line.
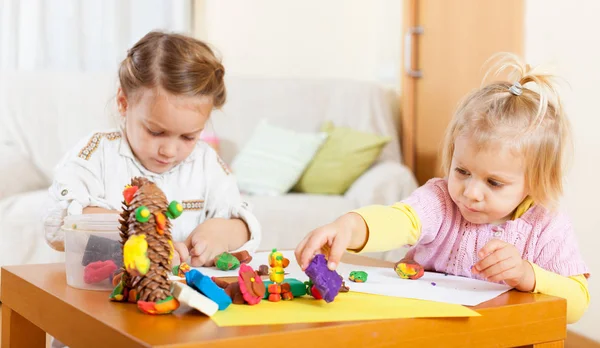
[(348, 306)]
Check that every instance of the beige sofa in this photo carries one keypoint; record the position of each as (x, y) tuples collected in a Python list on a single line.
[(44, 114)]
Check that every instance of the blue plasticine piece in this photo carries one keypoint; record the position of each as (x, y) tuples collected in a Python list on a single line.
[(208, 288)]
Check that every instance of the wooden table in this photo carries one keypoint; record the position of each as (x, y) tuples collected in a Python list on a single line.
[(36, 299)]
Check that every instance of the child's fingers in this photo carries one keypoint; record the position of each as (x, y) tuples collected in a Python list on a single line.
[(497, 268), (491, 259), (337, 249), (182, 251), (504, 275), (210, 258), (313, 245), (176, 258), (199, 260), (198, 248), (490, 247), (196, 261)]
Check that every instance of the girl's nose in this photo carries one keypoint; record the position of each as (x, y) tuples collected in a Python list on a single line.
[(473, 191), (168, 149)]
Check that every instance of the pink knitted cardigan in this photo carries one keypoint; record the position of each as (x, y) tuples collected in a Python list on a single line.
[(449, 244)]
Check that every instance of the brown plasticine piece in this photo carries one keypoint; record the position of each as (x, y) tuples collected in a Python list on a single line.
[(220, 282), (285, 287), (231, 289), (344, 287), (243, 256), (263, 270)]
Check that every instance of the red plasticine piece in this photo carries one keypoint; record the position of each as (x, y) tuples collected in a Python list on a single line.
[(315, 293), (129, 192), (98, 271)]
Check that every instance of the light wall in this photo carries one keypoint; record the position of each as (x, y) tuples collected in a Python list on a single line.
[(565, 34), (307, 39)]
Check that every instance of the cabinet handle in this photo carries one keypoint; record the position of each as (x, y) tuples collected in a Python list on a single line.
[(418, 30)]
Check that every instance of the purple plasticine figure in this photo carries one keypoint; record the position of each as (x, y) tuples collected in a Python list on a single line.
[(328, 282)]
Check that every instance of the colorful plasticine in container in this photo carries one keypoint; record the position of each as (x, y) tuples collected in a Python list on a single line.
[(92, 250)]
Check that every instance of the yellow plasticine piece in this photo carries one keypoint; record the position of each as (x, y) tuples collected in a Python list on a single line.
[(134, 254), (172, 252)]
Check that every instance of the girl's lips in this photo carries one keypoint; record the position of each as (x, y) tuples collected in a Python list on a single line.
[(162, 162), (471, 209)]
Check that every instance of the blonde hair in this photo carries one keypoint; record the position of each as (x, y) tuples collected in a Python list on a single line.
[(530, 119), (179, 64)]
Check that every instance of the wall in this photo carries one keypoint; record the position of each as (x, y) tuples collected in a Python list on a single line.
[(564, 33), (308, 39)]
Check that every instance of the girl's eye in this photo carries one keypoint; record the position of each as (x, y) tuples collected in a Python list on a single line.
[(494, 183), (189, 138), (461, 171), (154, 134)]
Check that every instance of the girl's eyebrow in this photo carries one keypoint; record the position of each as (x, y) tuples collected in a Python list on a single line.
[(157, 125), (501, 177), (194, 132), (151, 123)]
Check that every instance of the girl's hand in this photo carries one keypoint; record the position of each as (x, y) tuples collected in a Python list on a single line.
[(348, 231), (500, 261), (180, 254), (214, 237)]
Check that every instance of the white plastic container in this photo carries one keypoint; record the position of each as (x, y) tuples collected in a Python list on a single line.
[(92, 249)]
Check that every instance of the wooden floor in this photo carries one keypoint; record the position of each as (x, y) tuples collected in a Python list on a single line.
[(573, 340)]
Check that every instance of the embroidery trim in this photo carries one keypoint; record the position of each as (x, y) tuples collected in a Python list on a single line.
[(193, 205), (223, 165), (94, 141)]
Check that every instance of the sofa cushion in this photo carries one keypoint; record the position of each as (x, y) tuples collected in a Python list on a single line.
[(303, 105), (274, 158), (345, 156)]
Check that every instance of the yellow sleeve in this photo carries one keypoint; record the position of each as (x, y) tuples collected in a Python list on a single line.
[(389, 227), (574, 289)]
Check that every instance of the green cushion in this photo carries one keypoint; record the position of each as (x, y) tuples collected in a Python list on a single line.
[(345, 156)]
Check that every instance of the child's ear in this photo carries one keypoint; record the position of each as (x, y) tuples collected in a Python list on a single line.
[(121, 102)]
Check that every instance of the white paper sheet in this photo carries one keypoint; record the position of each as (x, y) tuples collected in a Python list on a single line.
[(448, 289), (384, 281)]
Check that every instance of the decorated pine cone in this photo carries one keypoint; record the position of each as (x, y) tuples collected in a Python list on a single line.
[(145, 215)]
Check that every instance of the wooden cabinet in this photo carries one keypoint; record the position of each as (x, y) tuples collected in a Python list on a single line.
[(446, 45)]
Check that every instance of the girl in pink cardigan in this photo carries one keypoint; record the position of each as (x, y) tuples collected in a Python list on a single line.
[(493, 216)]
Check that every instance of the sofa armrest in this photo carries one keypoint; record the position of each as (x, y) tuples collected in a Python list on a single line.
[(384, 183), (17, 173)]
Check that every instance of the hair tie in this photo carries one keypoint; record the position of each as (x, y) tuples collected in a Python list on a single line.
[(516, 89)]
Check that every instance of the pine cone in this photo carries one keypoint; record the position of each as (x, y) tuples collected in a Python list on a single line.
[(155, 285)]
